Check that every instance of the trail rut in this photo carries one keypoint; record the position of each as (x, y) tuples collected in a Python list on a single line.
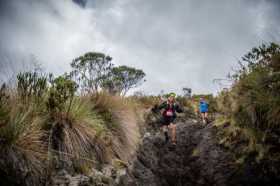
[(197, 159)]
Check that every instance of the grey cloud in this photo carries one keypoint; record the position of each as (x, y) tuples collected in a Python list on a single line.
[(177, 44), (81, 3), (207, 36)]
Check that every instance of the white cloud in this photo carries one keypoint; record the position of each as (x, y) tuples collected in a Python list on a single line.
[(177, 44)]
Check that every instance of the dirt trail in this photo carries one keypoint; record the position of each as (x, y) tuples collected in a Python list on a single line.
[(196, 160)]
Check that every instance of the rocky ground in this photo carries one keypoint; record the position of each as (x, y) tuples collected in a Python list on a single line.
[(197, 159)]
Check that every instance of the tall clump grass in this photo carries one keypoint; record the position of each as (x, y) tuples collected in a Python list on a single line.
[(91, 129), (120, 119), (74, 137), (74, 128), (48, 123), (22, 151), (47, 128)]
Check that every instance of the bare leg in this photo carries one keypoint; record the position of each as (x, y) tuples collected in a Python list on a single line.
[(203, 117), (165, 130), (206, 116), (173, 132)]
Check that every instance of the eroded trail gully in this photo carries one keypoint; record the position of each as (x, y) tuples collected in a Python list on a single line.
[(196, 160)]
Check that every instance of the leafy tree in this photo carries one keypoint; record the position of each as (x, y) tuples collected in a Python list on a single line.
[(121, 79), (90, 69), (258, 87), (258, 57)]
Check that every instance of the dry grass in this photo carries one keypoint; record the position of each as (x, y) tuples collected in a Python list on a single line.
[(147, 101), (22, 149), (97, 129), (121, 120)]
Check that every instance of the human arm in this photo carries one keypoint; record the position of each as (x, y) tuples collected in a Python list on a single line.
[(178, 108), (159, 107)]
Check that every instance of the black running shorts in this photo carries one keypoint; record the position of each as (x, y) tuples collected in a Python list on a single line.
[(167, 120)]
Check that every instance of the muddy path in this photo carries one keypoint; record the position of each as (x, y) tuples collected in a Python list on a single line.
[(197, 159)]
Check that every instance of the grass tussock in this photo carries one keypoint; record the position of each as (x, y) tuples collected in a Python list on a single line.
[(75, 135), (67, 122), (121, 120), (22, 150), (47, 125)]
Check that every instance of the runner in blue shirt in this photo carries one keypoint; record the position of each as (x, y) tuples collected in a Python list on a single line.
[(203, 108)]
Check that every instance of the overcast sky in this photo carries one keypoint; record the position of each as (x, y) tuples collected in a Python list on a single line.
[(184, 43)]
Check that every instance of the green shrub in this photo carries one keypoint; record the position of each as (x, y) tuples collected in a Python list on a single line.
[(62, 90), (252, 107)]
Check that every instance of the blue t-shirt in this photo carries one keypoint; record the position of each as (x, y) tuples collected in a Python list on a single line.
[(203, 106)]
